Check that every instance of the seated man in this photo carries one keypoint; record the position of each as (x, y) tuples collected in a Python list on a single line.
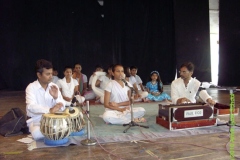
[(42, 96), (186, 88)]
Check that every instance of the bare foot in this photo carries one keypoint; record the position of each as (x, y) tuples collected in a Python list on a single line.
[(97, 98), (97, 101), (139, 120), (146, 100), (168, 101)]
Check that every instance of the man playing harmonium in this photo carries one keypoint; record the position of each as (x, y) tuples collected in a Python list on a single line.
[(185, 89)]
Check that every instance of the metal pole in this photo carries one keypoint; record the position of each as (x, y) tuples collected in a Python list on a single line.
[(231, 124), (88, 141)]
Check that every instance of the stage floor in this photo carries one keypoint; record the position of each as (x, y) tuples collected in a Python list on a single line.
[(200, 147)]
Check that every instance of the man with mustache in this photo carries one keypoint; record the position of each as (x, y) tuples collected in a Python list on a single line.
[(185, 88)]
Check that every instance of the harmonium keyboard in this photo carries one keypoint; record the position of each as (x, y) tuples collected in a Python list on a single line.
[(185, 116)]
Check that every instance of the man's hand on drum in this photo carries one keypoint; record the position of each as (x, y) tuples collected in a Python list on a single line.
[(53, 91), (56, 108), (183, 100)]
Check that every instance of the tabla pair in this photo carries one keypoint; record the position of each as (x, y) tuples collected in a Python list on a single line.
[(60, 125)]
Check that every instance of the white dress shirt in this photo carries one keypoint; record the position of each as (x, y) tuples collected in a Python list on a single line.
[(179, 90), (39, 100)]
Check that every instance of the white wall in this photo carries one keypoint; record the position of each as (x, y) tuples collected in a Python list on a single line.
[(214, 38)]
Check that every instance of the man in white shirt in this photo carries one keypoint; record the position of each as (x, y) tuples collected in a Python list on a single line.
[(42, 96), (185, 88)]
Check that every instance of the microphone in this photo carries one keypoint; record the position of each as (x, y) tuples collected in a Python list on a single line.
[(126, 84), (71, 110), (124, 81)]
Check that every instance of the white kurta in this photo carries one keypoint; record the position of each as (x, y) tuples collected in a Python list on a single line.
[(119, 94), (138, 81), (104, 81), (67, 88), (98, 90), (39, 101), (178, 90), (143, 94)]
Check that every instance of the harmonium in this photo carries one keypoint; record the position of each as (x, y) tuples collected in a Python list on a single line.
[(222, 109), (185, 116)]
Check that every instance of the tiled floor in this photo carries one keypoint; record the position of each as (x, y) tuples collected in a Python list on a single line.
[(201, 147)]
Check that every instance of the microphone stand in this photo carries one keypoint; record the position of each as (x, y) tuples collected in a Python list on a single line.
[(89, 141), (132, 123), (231, 121)]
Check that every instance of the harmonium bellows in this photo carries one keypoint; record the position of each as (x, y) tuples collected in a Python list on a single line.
[(222, 109), (178, 117)]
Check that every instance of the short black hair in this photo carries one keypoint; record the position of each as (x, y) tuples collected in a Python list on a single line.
[(133, 67), (109, 67), (77, 64), (42, 63), (54, 69), (98, 66), (188, 65), (126, 71), (67, 67), (114, 66)]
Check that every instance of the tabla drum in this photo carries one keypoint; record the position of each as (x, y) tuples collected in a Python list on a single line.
[(55, 126), (76, 118)]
